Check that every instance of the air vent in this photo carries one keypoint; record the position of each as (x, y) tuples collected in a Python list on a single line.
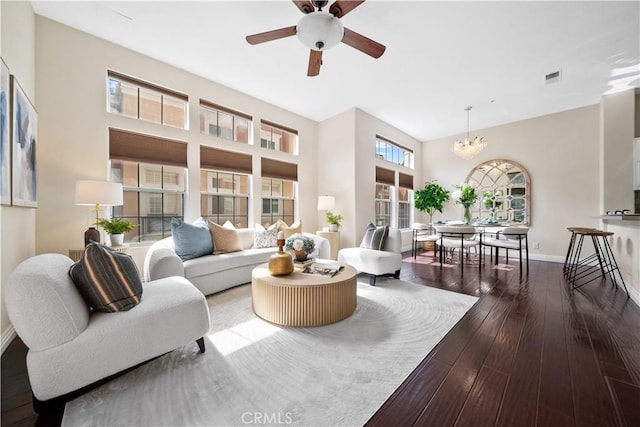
[(552, 77)]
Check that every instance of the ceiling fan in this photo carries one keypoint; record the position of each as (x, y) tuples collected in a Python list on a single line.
[(320, 31)]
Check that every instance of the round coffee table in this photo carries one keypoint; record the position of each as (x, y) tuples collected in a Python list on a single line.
[(300, 299)]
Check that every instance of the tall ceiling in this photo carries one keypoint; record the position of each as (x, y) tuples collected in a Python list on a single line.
[(440, 58)]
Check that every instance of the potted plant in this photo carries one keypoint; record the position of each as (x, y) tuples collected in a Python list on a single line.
[(334, 221), (430, 199), (115, 228), (466, 196)]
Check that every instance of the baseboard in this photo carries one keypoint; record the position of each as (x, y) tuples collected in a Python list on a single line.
[(7, 337)]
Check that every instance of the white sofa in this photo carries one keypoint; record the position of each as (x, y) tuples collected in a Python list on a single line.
[(376, 263), (71, 347), (215, 273)]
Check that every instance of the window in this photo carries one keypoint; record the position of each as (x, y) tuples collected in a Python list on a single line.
[(224, 196), (225, 186), (385, 180), (153, 194), (143, 101), (383, 204), (405, 200), (278, 138), (224, 123), (394, 153), (152, 171), (404, 207), (278, 191)]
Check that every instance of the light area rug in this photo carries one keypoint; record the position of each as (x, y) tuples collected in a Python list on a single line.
[(256, 373)]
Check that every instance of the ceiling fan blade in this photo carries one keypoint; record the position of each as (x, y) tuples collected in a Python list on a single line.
[(305, 6), (339, 8), (315, 61), (362, 43), (271, 35)]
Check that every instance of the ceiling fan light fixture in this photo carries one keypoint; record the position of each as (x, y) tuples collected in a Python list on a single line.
[(319, 31)]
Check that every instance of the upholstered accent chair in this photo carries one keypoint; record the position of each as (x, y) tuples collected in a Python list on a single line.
[(71, 347), (375, 262)]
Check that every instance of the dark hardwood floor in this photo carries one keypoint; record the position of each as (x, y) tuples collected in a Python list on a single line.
[(531, 352)]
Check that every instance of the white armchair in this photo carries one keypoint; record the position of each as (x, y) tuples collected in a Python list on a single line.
[(376, 263)]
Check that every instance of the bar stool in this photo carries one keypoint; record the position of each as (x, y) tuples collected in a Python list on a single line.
[(602, 263), (571, 250)]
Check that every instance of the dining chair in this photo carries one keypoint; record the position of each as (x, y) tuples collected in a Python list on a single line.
[(509, 238), (422, 233), (462, 238)]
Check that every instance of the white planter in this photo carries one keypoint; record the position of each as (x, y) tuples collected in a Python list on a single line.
[(333, 227), (116, 239)]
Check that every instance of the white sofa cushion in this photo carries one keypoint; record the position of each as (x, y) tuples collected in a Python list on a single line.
[(43, 304), (214, 263)]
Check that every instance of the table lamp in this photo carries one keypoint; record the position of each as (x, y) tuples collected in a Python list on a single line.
[(97, 193)]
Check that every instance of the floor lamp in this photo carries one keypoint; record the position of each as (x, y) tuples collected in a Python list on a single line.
[(97, 193)]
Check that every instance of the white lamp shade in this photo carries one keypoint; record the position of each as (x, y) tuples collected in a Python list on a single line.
[(326, 203), (319, 30), (93, 193)]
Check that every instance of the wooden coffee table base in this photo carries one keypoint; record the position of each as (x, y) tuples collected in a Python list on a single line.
[(301, 299)]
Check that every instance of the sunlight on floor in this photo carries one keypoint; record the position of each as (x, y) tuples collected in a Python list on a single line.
[(242, 335)]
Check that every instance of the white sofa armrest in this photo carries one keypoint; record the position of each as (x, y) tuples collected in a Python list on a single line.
[(323, 247), (162, 261)]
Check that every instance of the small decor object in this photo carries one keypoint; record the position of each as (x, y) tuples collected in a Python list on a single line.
[(431, 199), (466, 196), (334, 221), (300, 245), (280, 263), (5, 148), (92, 235), (116, 227), (25, 135), (329, 270)]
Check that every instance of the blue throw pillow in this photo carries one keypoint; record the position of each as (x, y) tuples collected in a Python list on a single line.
[(191, 240)]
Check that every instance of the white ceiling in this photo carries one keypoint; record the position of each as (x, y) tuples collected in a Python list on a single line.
[(441, 56)]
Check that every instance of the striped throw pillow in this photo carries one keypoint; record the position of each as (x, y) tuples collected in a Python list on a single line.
[(108, 280), (374, 237)]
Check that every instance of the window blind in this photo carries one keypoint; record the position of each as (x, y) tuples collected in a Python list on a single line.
[(125, 145)]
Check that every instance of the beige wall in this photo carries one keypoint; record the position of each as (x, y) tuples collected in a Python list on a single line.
[(74, 130), (560, 152), (346, 151), (17, 225)]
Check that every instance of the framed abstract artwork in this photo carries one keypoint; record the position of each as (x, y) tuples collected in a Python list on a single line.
[(24, 132), (5, 145)]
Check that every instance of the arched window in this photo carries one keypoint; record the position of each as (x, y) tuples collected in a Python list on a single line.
[(504, 190)]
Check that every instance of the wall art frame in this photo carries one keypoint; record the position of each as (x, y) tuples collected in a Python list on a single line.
[(5, 142), (24, 131)]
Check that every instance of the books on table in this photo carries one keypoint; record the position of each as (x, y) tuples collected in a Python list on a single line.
[(303, 264), (322, 269)]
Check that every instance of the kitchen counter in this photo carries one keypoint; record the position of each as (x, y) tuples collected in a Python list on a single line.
[(625, 244)]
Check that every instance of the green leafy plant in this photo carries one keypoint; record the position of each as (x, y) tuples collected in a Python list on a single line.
[(335, 219), (466, 195), (431, 199), (115, 225)]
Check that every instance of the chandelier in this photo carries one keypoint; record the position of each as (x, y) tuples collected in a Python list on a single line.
[(468, 148)]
